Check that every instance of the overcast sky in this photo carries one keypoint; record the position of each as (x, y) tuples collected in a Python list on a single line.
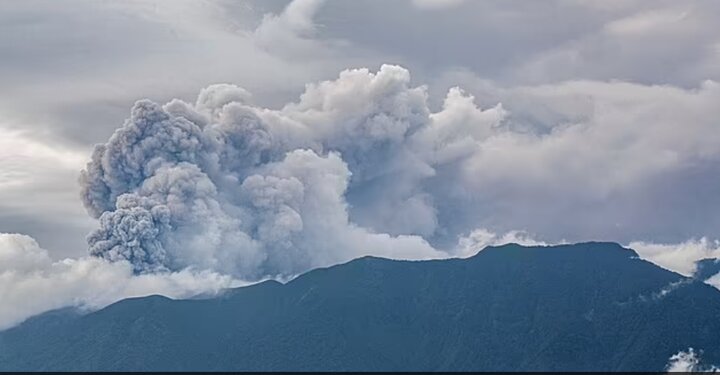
[(636, 78), (280, 137)]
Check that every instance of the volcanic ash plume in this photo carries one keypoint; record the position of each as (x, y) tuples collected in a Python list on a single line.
[(252, 192)]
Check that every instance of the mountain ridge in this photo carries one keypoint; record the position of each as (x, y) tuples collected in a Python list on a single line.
[(587, 306)]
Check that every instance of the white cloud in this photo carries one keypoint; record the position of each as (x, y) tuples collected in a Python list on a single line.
[(680, 257), (481, 238), (32, 283), (602, 135), (38, 179), (436, 4), (291, 32), (606, 160), (688, 361), (646, 22), (634, 44), (714, 281)]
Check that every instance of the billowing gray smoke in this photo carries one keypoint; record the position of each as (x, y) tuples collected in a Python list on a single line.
[(361, 166), (252, 192)]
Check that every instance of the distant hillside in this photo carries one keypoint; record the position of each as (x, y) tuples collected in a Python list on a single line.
[(590, 306), (706, 268)]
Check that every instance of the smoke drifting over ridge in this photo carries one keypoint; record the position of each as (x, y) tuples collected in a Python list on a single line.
[(228, 186), (221, 191), (577, 156), (360, 165), (31, 282)]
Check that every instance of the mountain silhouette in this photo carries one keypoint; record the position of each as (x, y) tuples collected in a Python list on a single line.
[(589, 306)]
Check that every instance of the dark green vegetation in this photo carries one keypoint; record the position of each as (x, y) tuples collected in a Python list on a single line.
[(707, 268), (591, 306)]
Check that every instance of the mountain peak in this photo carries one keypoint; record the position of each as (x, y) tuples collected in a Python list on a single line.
[(583, 307), (590, 246)]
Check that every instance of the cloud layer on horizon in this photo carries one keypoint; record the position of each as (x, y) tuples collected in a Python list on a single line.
[(32, 283)]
